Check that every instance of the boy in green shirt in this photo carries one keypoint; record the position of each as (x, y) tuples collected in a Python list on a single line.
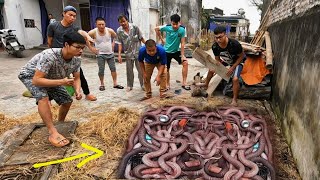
[(175, 36)]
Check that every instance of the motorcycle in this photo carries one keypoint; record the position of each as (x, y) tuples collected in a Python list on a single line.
[(11, 43)]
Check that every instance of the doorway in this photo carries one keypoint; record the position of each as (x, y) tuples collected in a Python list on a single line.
[(85, 16)]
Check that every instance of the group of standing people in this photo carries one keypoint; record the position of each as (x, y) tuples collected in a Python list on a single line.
[(46, 74)]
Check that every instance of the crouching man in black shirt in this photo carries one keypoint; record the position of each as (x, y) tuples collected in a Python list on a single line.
[(229, 52)]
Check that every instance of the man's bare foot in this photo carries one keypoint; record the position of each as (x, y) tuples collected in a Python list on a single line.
[(129, 89), (91, 97), (234, 103), (58, 140)]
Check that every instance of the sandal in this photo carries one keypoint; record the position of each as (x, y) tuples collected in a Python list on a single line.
[(166, 96), (186, 88), (118, 87), (59, 141), (162, 96), (144, 98), (102, 88)]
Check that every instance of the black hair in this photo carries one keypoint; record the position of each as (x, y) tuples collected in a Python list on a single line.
[(150, 43), (122, 16), (73, 37), (175, 18), (49, 14), (219, 30), (100, 19)]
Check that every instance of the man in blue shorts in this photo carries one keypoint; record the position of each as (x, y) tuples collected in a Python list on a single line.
[(151, 56), (229, 52)]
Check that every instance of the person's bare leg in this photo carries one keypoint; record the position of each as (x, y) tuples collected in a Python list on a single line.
[(101, 77), (184, 73), (209, 77), (168, 79), (63, 111), (46, 116), (235, 89), (114, 78)]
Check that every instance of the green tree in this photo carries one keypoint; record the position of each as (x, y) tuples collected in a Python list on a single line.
[(258, 4), (205, 19)]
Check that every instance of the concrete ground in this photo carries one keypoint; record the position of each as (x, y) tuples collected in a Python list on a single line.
[(13, 104)]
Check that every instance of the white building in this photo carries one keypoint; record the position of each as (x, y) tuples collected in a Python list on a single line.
[(15, 12), (27, 16)]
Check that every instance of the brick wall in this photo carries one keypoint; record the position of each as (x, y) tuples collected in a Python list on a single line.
[(284, 9)]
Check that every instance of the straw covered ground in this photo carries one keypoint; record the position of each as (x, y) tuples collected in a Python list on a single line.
[(108, 129)]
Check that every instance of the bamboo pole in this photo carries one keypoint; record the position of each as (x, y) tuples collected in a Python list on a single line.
[(269, 55)]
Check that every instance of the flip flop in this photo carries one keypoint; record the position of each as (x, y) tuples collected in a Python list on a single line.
[(59, 141), (27, 93), (162, 96), (118, 87), (144, 98), (186, 88), (102, 88), (166, 96)]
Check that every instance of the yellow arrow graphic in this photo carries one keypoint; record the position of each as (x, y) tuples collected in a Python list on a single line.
[(92, 156)]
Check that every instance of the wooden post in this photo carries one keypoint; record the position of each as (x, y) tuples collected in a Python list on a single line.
[(220, 70), (215, 80), (205, 59), (269, 55)]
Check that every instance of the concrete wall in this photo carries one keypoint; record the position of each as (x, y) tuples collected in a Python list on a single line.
[(294, 29), (14, 12), (145, 17), (154, 22), (189, 10), (55, 8)]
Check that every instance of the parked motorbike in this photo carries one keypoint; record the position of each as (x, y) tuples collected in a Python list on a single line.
[(11, 43)]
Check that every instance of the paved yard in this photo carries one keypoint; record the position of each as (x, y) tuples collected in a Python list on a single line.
[(13, 104)]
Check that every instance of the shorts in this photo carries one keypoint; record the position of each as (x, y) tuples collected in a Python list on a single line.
[(58, 93), (102, 58), (176, 56), (237, 71)]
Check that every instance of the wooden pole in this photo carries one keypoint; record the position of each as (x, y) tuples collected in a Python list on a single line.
[(215, 80), (269, 55), (205, 59)]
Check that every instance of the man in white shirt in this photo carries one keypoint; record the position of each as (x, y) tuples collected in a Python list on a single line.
[(104, 50)]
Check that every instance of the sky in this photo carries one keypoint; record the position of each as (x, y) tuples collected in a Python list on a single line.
[(231, 7)]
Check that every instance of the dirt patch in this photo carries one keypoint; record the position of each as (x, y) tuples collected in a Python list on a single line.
[(284, 163)]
